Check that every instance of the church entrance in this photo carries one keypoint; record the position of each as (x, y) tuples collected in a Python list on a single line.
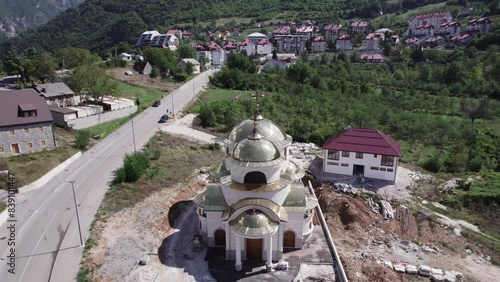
[(220, 238), (289, 239), (254, 249)]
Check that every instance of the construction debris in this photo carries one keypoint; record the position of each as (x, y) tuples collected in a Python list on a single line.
[(411, 269), (425, 270), (386, 209)]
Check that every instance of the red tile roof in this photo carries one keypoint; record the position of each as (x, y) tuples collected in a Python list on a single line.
[(426, 16), (364, 140), (22, 100), (344, 37), (359, 24), (333, 27)]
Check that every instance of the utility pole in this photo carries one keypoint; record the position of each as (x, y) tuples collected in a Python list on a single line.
[(133, 134), (76, 210), (172, 96)]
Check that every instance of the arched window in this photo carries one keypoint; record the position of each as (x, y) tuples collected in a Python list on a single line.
[(255, 177), (220, 238)]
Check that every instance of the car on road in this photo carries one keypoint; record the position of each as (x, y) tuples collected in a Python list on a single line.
[(163, 119), (157, 103)]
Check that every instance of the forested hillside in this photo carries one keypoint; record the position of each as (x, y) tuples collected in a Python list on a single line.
[(17, 16), (100, 24)]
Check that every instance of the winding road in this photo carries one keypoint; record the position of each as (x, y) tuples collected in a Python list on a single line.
[(47, 243)]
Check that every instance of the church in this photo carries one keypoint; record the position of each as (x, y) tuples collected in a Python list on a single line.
[(258, 205)]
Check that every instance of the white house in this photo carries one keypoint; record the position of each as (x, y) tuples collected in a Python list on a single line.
[(195, 63), (166, 41), (247, 46), (256, 37), (125, 56), (280, 64), (147, 38), (479, 25), (362, 151), (332, 31), (372, 41), (343, 43), (264, 47), (212, 53), (258, 207), (318, 44), (427, 20)]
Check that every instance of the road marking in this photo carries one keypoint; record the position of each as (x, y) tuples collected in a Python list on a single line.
[(36, 246)]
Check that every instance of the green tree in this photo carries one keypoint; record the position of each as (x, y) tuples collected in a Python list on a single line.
[(189, 68), (275, 54), (44, 67), (92, 82), (185, 51), (387, 49), (475, 108), (71, 57)]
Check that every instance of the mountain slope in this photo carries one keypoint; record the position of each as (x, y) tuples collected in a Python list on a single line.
[(20, 15)]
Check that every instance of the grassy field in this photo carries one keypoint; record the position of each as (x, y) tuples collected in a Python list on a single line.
[(178, 159), (30, 167), (146, 95), (217, 94)]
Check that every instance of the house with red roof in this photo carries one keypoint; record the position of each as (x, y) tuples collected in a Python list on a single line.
[(247, 46), (372, 58), (357, 27), (362, 151), (343, 43), (424, 21), (332, 31), (264, 47), (479, 25), (318, 44), (176, 32), (373, 40)]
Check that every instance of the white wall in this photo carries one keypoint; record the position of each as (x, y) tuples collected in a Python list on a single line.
[(92, 120), (264, 49), (368, 160)]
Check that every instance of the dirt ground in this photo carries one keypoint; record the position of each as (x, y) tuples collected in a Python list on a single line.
[(365, 241), (143, 80)]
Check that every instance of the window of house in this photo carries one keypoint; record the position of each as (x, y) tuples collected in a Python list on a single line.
[(359, 155), (387, 161), (390, 169), (11, 132), (344, 164), (40, 128), (382, 169), (42, 142), (26, 130), (375, 155), (15, 148), (345, 154), (30, 145), (1, 150), (333, 155), (332, 163), (374, 168)]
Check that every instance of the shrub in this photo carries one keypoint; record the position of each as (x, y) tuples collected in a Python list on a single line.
[(82, 140), (133, 168), (155, 72), (214, 146), (432, 165)]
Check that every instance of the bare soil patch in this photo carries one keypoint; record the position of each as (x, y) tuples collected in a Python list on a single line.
[(364, 241)]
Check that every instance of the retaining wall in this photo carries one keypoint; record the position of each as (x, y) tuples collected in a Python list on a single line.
[(92, 120)]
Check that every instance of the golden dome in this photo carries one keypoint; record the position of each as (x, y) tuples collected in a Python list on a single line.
[(266, 128), (256, 150)]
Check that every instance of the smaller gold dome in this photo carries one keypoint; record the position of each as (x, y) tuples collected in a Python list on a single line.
[(254, 219), (256, 150)]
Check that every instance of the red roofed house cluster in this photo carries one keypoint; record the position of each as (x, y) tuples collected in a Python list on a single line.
[(362, 151)]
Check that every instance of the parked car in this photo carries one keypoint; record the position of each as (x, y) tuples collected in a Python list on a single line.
[(163, 119), (157, 103)]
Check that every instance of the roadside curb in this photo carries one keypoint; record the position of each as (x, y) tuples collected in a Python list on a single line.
[(47, 177)]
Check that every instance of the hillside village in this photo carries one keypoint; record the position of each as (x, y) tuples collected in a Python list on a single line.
[(392, 174)]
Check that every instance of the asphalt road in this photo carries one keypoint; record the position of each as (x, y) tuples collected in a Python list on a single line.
[(47, 245)]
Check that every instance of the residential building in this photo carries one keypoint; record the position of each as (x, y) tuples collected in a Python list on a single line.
[(459, 40), (257, 208), (247, 46), (285, 30), (195, 63), (236, 31), (434, 41), (318, 44), (343, 43), (264, 47), (169, 41), (176, 32), (229, 46), (479, 25), (451, 28), (147, 38), (426, 20), (57, 94), (424, 30), (25, 123), (292, 43), (332, 31), (125, 57), (292, 58), (358, 27), (365, 152), (256, 37), (306, 30), (372, 41), (213, 53), (372, 58), (187, 35), (280, 64)]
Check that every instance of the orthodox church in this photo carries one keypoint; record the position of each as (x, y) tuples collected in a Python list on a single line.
[(258, 206)]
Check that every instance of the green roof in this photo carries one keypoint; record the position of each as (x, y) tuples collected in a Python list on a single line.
[(214, 198)]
